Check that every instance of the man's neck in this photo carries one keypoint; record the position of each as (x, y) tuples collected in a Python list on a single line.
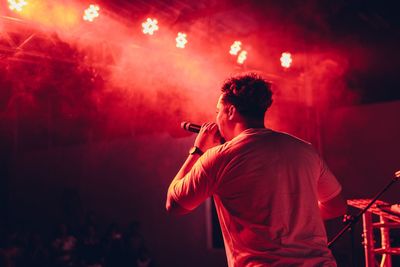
[(254, 124), (241, 126)]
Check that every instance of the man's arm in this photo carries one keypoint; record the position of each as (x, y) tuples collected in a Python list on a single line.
[(330, 198), (333, 208), (208, 137), (171, 205)]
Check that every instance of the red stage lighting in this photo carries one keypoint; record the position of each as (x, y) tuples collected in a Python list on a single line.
[(17, 5), (150, 26), (286, 60), (91, 13), (181, 40), (242, 57), (235, 48)]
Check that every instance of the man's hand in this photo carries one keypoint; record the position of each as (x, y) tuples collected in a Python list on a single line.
[(208, 136)]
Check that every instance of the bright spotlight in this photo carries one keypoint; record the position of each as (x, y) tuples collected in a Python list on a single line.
[(286, 60), (235, 48), (242, 57), (91, 13), (17, 5), (181, 40), (150, 26)]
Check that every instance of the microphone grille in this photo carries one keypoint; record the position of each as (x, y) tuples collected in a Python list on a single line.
[(185, 125)]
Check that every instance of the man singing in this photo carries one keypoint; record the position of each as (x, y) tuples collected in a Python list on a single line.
[(271, 190)]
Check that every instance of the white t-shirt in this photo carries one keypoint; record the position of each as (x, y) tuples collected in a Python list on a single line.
[(266, 187)]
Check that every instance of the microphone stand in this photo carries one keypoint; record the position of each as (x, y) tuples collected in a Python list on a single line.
[(353, 220)]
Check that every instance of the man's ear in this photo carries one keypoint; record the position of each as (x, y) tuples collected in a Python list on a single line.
[(231, 112)]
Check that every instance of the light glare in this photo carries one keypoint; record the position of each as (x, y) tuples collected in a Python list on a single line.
[(235, 48), (150, 26), (181, 40), (91, 13), (17, 5), (242, 57), (286, 60)]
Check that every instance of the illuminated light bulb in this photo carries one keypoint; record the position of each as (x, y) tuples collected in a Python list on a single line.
[(17, 5), (150, 26), (286, 60), (91, 13), (181, 40), (242, 57), (235, 48)]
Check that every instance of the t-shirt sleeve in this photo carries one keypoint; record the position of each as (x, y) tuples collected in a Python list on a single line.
[(328, 185), (197, 185)]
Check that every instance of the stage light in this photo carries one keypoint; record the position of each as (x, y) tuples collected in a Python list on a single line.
[(286, 60), (181, 40), (242, 57), (235, 48), (91, 13), (17, 5), (150, 26)]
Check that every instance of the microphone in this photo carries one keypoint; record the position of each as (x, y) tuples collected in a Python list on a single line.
[(191, 127), (195, 128)]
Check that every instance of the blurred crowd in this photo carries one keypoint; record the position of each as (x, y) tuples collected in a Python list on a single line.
[(81, 247)]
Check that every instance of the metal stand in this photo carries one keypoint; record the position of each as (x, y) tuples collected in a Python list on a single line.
[(386, 222), (355, 219), (368, 226)]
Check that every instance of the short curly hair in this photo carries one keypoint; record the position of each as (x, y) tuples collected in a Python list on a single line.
[(249, 93)]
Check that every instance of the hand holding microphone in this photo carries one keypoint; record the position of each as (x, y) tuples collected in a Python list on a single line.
[(209, 135)]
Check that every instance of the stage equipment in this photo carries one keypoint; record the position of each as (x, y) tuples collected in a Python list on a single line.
[(387, 221)]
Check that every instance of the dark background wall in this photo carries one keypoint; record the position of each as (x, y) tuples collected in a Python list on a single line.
[(361, 145), (119, 181)]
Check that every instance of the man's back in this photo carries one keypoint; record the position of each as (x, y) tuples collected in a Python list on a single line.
[(266, 187), (271, 190)]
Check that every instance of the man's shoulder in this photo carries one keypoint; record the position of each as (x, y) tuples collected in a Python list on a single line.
[(217, 152), (261, 138), (290, 138)]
